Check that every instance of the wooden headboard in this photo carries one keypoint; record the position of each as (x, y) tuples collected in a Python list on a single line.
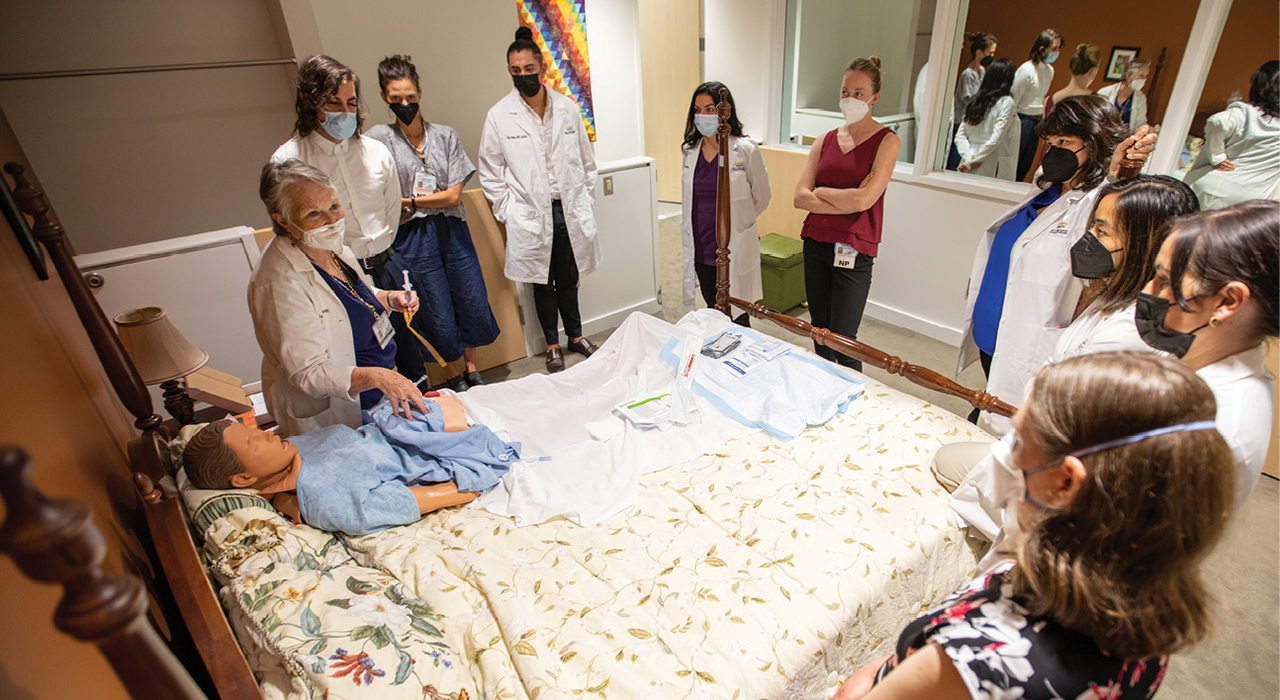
[(55, 541)]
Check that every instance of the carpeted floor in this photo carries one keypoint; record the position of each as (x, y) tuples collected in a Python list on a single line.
[(1241, 661)]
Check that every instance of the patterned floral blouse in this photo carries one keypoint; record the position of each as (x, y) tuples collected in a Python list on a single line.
[(1002, 652)]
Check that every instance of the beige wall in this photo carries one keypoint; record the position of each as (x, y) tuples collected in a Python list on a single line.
[(145, 157), (70, 423), (671, 65)]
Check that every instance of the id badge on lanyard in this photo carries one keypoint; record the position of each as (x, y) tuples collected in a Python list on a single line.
[(845, 256), (423, 184), (382, 329)]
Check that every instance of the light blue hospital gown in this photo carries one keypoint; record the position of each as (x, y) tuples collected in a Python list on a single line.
[(356, 481)]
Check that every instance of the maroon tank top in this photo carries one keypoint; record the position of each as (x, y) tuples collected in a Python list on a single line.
[(847, 171)]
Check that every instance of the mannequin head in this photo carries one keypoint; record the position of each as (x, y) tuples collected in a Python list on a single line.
[(228, 455)]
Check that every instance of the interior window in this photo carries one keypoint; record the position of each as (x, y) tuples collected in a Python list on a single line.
[(823, 36), (1159, 38)]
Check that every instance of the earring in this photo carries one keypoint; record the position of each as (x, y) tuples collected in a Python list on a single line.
[(1214, 322)]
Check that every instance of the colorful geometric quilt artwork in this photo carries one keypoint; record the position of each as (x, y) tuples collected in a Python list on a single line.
[(560, 30)]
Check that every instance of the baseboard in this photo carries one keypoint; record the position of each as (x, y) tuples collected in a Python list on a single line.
[(937, 331), (609, 321)]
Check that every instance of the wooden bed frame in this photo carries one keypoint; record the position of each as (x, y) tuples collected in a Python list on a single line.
[(56, 541)]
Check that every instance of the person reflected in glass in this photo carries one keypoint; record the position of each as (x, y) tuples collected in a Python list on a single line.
[(987, 138), (1127, 95), (1084, 68), (1240, 159), (982, 47), (1030, 86)]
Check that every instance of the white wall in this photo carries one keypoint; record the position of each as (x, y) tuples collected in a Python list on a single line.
[(738, 51), (834, 32), (459, 49)]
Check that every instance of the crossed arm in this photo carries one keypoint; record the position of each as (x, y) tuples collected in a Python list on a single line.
[(831, 200)]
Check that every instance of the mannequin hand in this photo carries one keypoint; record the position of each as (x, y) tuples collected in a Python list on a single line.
[(1226, 165), (403, 301)]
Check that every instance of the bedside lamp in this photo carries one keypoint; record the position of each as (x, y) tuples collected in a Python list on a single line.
[(162, 355)]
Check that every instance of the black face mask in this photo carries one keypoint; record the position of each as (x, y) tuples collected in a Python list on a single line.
[(1148, 318), (1090, 260), (405, 112), (528, 85), (1059, 164), (986, 61)]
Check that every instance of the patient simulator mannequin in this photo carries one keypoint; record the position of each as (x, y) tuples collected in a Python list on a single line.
[(355, 480)]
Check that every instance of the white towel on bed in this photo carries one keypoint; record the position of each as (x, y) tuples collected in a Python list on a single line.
[(587, 480)]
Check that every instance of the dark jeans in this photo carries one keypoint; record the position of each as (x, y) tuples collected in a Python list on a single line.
[(409, 352), (985, 359), (560, 293), (837, 295), (1027, 146), (453, 311), (707, 285), (953, 155)]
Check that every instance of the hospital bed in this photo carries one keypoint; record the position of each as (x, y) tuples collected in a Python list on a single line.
[(763, 568)]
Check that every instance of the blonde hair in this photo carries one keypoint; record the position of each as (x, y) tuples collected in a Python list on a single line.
[(1120, 562), (1085, 59), (869, 65)]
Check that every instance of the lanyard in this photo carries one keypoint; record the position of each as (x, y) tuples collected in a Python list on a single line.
[(342, 280)]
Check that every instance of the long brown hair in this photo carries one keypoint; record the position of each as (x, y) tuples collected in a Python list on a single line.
[(1120, 562), (1096, 123), (1144, 209)]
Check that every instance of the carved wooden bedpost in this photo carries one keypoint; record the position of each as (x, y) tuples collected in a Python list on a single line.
[(124, 376), (723, 205), (55, 541)]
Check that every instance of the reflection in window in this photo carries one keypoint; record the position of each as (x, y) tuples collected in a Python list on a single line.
[(1232, 152), (1160, 37), (823, 36)]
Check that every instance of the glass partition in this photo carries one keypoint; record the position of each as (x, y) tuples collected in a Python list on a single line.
[(1114, 38), (823, 36)]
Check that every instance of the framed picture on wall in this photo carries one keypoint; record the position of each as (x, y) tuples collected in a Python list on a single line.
[(1119, 61)]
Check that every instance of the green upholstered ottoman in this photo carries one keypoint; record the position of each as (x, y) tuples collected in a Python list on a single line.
[(782, 272)]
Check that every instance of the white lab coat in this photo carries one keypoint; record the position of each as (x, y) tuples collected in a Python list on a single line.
[(993, 144), (1040, 297), (1138, 114), (749, 196), (308, 353), (1251, 140), (513, 174)]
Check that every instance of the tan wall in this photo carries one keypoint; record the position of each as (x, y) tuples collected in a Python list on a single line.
[(59, 408), (784, 166), (671, 69), (1272, 465), (1249, 39)]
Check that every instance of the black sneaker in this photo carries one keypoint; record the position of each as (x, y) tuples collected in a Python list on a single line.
[(474, 379), (458, 383)]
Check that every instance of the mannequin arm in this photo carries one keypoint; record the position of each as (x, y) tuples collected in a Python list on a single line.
[(437, 496)]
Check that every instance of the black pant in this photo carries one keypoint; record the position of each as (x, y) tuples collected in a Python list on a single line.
[(707, 285), (1027, 143), (560, 293), (985, 359), (837, 295)]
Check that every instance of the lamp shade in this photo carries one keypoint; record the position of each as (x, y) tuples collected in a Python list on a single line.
[(158, 349)]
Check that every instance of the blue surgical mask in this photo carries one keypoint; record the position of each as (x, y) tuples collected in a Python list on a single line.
[(339, 125), (1051, 57), (1108, 445), (706, 124)]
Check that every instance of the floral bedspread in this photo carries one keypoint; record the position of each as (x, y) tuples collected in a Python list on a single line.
[(769, 569)]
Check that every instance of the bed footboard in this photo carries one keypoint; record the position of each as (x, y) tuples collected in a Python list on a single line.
[(920, 376)]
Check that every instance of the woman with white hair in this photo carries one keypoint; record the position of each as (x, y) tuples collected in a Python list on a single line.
[(328, 351), (1127, 96)]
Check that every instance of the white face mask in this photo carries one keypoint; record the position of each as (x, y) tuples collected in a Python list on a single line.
[(326, 237), (706, 124), (854, 109), (1137, 84)]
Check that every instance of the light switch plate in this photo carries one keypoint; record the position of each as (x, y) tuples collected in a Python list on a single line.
[(608, 186)]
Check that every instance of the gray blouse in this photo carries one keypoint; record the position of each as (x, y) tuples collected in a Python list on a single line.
[(445, 161)]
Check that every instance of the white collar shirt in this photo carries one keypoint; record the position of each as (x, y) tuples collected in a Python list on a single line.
[(364, 176), (1245, 391), (547, 135)]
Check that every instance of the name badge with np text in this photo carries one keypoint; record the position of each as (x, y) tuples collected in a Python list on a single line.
[(845, 256), (382, 329)]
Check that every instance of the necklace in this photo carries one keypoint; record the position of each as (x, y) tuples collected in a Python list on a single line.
[(346, 284)]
